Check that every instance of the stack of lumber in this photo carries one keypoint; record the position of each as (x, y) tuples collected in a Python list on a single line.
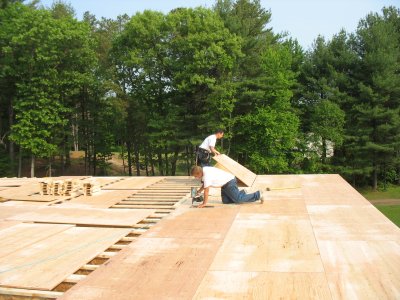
[(67, 187), (90, 187), (70, 187), (45, 187)]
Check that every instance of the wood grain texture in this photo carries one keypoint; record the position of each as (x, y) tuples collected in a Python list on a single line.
[(22, 235), (85, 216), (103, 199), (243, 174), (263, 285), (46, 263), (133, 183)]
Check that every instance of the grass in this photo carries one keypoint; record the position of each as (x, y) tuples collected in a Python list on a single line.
[(391, 192), (392, 212)]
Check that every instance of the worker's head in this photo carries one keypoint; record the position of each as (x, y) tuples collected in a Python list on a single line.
[(219, 134), (197, 172)]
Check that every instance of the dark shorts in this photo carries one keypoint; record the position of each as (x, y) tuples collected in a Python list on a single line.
[(203, 157)]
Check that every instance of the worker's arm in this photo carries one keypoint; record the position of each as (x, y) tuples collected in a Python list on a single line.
[(200, 189), (205, 198), (215, 151)]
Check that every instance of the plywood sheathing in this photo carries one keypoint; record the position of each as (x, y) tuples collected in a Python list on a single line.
[(9, 211), (84, 216), (22, 235), (133, 183), (168, 263), (103, 199), (281, 249), (45, 264), (243, 174)]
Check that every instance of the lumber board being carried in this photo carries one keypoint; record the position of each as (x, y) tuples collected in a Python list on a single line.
[(85, 216), (243, 174), (21, 235), (45, 264)]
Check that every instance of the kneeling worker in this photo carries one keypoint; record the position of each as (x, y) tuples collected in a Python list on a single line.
[(214, 177)]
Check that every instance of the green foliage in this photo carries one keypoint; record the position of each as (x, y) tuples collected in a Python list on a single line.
[(268, 133)]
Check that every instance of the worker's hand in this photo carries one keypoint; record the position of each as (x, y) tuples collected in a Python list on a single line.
[(217, 153), (201, 205)]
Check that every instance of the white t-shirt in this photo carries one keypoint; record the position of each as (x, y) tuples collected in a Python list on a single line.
[(214, 177), (209, 141)]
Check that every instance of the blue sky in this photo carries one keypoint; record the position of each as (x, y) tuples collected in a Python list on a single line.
[(302, 19)]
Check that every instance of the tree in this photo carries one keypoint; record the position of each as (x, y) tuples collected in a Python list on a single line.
[(269, 133), (375, 128), (46, 59)]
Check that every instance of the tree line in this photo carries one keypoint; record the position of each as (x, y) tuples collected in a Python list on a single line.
[(151, 86)]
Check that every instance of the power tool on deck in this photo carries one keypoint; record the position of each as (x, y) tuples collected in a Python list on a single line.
[(195, 197)]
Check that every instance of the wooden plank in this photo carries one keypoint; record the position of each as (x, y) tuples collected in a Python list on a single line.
[(103, 199), (63, 254), (38, 198), (85, 216), (241, 173), (22, 235), (133, 183), (140, 207), (8, 292)]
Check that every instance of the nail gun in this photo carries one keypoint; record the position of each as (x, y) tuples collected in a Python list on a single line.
[(195, 197)]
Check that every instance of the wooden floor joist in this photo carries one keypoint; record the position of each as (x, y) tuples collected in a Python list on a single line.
[(29, 293)]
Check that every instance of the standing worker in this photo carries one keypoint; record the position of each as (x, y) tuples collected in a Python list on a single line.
[(230, 193), (207, 147)]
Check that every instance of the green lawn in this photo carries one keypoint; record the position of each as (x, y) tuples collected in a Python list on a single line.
[(392, 192), (392, 212)]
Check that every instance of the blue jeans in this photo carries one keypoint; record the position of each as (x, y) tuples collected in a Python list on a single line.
[(231, 194)]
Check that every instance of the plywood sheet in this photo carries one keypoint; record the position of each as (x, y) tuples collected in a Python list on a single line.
[(45, 264), (196, 223), (153, 268), (330, 189), (277, 206), (327, 215), (102, 199), (242, 173), (133, 183), (8, 211), (20, 192), (7, 182), (6, 224), (263, 285), (85, 216), (257, 242), (22, 235), (368, 269)]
